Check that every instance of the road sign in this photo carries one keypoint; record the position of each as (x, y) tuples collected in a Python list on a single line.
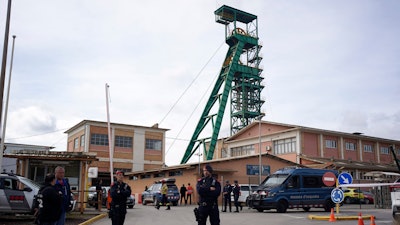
[(337, 195), (255, 170), (345, 178), (329, 179)]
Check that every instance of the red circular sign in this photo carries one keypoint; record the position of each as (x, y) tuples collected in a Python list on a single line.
[(329, 179)]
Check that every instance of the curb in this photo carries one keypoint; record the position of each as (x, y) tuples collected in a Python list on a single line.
[(94, 219), (315, 217)]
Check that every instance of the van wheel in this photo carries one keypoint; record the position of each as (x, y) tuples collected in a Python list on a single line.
[(282, 206), (306, 209), (328, 205), (260, 210)]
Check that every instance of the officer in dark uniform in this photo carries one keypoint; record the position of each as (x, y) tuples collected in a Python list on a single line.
[(227, 191), (119, 192), (208, 189), (236, 194)]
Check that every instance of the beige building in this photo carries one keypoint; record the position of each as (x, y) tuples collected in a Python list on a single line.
[(135, 148), (353, 152), (242, 168)]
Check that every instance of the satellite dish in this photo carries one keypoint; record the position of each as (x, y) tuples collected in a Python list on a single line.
[(93, 172)]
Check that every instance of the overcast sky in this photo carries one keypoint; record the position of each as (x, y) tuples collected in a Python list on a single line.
[(331, 65)]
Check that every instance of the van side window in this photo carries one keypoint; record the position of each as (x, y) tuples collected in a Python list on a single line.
[(293, 182), (312, 182)]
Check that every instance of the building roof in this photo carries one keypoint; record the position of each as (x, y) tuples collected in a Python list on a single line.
[(310, 129), (342, 164), (193, 165), (93, 122), (52, 155)]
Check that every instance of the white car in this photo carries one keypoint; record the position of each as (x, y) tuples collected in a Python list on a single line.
[(395, 197), (245, 190), (17, 194)]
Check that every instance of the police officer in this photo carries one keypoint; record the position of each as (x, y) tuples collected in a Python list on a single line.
[(48, 203), (208, 189), (120, 191), (236, 194), (227, 196), (164, 198)]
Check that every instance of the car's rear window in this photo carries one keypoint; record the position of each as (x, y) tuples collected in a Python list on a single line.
[(173, 187)]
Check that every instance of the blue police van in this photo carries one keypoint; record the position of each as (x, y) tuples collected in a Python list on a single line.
[(293, 188)]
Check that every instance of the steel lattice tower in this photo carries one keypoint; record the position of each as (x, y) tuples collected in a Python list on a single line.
[(240, 77)]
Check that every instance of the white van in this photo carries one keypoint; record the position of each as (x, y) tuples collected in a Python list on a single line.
[(245, 191)]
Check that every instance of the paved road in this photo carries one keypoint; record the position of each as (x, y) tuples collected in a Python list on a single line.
[(184, 215)]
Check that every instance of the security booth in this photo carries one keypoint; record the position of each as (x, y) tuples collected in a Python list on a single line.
[(36, 164)]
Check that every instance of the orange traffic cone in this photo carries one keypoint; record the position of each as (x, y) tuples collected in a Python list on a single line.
[(332, 217), (372, 220), (360, 219)]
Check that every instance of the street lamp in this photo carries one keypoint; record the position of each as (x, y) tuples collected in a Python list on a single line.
[(199, 154), (259, 147)]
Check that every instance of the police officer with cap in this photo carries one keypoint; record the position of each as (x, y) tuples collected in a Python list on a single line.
[(208, 189), (119, 191)]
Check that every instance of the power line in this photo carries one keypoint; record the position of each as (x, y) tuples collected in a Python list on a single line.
[(184, 92)]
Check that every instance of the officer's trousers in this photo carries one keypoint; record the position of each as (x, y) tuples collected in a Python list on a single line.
[(118, 217), (206, 211), (227, 201)]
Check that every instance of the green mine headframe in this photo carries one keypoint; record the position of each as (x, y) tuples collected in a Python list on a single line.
[(240, 76)]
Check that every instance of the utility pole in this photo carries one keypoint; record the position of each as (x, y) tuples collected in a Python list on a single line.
[(3, 71)]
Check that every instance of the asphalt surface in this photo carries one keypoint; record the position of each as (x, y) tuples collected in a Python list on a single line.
[(184, 215)]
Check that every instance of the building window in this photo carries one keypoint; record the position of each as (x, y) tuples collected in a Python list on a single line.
[(175, 173), (351, 146), (153, 144), (76, 143), (242, 150), (368, 148), (124, 142), (330, 144), (385, 150), (99, 139), (83, 140), (145, 176), (285, 146), (159, 175)]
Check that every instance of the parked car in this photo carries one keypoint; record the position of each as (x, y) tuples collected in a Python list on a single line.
[(17, 194), (153, 193), (352, 195), (368, 197), (130, 201), (245, 191), (91, 193)]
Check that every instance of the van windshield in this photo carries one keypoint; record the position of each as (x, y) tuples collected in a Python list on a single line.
[(274, 180)]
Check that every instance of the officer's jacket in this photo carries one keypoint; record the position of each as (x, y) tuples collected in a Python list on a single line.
[(203, 188), (236, 190), (228, 190), (120, 191)]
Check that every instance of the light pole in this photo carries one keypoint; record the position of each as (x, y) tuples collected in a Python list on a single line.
[(259, 148), (199, 154)]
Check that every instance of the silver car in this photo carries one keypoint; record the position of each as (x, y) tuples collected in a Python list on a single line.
[(17, 194)]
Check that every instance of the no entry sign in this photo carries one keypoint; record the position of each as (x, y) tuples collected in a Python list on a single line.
[(329, 179)]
